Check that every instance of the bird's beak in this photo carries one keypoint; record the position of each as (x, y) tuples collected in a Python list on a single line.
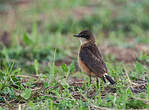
[(76, 35)]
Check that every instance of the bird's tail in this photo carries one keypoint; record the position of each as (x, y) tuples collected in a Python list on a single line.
[(109, 79)]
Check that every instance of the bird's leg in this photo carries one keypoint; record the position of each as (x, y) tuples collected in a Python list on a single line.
[(103, 78), (97, 81)]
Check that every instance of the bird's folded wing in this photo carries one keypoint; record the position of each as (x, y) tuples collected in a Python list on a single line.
[(93, 48), (95, 64)]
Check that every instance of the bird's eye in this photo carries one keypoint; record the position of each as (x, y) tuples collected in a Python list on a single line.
[(84, 35)]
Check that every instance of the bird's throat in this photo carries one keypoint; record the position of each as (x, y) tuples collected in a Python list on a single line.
[(83, 41), (86, 42)]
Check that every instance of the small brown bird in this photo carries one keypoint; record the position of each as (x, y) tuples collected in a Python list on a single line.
[(90, 59)]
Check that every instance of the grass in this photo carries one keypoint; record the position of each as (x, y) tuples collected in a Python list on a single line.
[(38, 66)]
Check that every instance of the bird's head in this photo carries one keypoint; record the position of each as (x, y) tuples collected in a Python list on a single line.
[(85, 36)]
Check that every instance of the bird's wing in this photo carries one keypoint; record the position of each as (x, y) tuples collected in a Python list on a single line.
[(93, 48), (95, 64)]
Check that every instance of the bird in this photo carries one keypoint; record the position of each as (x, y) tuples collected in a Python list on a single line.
[(90, 59)]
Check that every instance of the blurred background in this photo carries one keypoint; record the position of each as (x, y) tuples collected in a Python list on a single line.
[(35, 30), (36, 37)]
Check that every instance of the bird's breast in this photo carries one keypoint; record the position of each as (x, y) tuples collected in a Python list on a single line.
[(83, 67)]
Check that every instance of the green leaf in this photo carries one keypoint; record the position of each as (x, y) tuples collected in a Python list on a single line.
[(45, 84), (72, 67), (1, 85), (8, 90), (135, 104), (64, 83), (31, 104), (139, 67), (27, 40), (147, 90), (26, 94), (36, 65), (144, 56), (64, 67), (2, 75), (51, 105)]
